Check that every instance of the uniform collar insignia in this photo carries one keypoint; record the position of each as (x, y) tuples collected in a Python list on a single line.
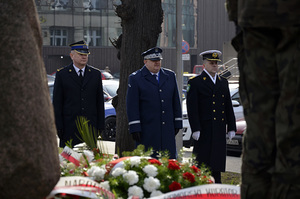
[(204, 78), (70, 70)]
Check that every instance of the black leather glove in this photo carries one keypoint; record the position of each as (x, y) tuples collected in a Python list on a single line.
[(176, 131), (136, 136), (60, 133)]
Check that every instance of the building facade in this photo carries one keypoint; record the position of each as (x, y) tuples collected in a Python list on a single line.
[(205, 26)]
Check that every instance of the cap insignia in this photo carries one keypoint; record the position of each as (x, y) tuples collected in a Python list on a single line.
[(214, 55)]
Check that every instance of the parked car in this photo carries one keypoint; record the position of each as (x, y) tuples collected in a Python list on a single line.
[(236, 102), (235, 144), (51, 78), (109, 133), (187, 77), (106, 96), (51, 85), (237, 108), (110, 86), (198, 69), (106, 75)]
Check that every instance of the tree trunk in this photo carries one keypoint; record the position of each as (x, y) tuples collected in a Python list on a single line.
[(141, 25), (29, 155)]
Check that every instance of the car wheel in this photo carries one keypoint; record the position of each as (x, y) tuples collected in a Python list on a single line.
[(109, 133)]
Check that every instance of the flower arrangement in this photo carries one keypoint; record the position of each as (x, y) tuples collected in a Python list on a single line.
[(140, 176), (134, 175)]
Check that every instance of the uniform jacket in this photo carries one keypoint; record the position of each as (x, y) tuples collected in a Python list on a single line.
[(72, 99), (210, 109), (264, 13), (154, 109)]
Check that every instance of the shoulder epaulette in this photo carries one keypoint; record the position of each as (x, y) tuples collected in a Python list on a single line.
[(60, 68)]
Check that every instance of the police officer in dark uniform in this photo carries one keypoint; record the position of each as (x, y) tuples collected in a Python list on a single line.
[(77, 92), (153, 105), (210, 110)]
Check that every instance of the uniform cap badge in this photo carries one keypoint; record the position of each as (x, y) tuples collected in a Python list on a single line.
[(214, 55)]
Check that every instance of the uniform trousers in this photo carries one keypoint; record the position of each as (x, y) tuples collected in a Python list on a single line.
[(217, 176), (269, 65)]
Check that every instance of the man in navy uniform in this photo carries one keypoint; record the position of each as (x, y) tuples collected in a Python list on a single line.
[(153, 105), (210, 109), (77, 92)]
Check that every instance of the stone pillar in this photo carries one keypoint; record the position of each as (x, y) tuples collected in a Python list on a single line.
[(29, 156)]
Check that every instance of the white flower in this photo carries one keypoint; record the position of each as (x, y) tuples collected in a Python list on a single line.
[(91, 171), (99, 173), (131, 177), (135, 161), (118, 171), (135, 191), (151, 184), (156, 193), (70, 166), (105, 185), (92, 164), (96, 172), (150, 170)]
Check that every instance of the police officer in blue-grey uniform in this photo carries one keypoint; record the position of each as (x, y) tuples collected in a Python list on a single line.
[(210, 114), (153, 105), (77, 92)]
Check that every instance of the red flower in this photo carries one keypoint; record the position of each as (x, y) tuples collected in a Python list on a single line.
[(173, 165), (154, 161), (195, 169), (174, 186), (188, 176)]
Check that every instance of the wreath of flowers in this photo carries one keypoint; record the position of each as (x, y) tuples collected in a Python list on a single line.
[(140, 176)]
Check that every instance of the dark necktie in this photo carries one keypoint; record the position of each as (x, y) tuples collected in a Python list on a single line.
[(80, 75), (156, 77)]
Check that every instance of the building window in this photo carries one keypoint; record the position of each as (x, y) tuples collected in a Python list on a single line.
[(60, 4), (58, 37), (92, 37), (92, 5)]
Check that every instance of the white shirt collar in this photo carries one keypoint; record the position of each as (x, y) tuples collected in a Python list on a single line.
[(213, 79), (77, 70), (155, 73)]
